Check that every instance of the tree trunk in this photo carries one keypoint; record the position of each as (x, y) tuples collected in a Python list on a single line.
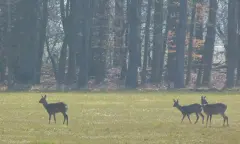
[(100, 52), (157, 42), (209, 42), (2, 66), (199, 37), (181, 37), (42, 37), (64, 11), (171, 39), (124, 51), (131, 79), (26, 35), (8, 43), (84, 51), (62, 63), (190, 47), (72, 42), (232, 47), (139, 30), (119, 32), (54, 64), (163, 51), (238, 45), (146, 42)]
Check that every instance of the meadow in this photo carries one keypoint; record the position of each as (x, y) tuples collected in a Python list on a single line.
[(115, 118)]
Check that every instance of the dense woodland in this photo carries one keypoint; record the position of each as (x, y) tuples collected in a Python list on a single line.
[(84, 44)]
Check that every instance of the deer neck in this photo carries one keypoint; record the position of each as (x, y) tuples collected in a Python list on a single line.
[(203, 105), (179, 107), (45, 105)]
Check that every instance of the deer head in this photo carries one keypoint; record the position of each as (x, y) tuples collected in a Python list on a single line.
[(175, 103), (203, 100), (43, 99)]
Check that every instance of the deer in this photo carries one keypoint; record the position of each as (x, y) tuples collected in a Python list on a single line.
[(214, 109), (53, 108), (187, 110)]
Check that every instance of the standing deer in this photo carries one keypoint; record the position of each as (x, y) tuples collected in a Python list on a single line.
[(53, 108), (189, 109), (214, 109)]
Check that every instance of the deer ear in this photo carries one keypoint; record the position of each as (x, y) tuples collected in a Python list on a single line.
[(204, 96), (45, 96)]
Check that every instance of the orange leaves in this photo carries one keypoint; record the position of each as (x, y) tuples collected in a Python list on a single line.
[(196, 56), (198, 43), (171, 34), (200, 9)]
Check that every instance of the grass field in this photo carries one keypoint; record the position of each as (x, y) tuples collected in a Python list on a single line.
[(115, 118)]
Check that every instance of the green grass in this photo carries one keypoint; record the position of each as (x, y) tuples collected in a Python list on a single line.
[(115, 118)]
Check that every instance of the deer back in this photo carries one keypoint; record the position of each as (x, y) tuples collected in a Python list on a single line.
[(192, 108), (56, 107), (217, 108)]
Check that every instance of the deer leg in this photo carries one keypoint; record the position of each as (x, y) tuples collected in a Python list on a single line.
[(183, 118), (207, 120), (202, 117), (197, 118), (50, 115), (210, 120), (65, 118), (54, 116), (189, 118), (225, 118)]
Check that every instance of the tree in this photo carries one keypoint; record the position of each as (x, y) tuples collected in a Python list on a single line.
[(146, 42), (171, 39), (72, 41), (124, 51), (238, 44), (190, 46), (199, 37), (100, 52), (157, 42), (86, 18), (59, 65), (8, 31), (181, 37), (42, 37), (232, 45), (119, 28), (131, 79), (25, 41), (209, 42)]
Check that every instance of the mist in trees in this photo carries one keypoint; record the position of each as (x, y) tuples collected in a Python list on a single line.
[(113, 44)]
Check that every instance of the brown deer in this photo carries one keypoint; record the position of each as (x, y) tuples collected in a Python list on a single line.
[(53, 108), (189, 109), (214, 109)]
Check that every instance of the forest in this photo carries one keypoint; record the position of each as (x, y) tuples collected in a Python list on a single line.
[(119, 71), (119, 44)]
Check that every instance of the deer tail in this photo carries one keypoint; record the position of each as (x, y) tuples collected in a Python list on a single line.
[(66, 107)]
